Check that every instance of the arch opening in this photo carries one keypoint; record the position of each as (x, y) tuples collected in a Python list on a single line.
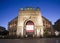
[(29, 28)]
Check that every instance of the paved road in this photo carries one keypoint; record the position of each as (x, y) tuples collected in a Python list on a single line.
[(41, 40)]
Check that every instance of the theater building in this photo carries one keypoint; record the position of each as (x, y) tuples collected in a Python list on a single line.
[(29, 22)]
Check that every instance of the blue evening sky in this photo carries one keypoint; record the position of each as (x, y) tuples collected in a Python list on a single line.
[(9, 9)]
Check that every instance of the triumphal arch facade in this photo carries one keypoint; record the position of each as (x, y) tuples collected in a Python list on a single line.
[(30, 23)]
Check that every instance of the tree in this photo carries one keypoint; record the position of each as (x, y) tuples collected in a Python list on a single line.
[(3, 31), (46, 32), (2, 28), (57, 25)]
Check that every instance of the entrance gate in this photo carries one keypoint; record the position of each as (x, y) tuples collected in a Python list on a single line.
[(29, 29)]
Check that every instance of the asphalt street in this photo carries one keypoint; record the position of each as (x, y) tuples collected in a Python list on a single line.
[(29, 40)]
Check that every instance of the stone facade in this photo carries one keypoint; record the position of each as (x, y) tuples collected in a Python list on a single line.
[(17, 26)]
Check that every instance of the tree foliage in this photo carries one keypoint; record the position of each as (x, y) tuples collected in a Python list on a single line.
[(57, 25), (3, 31), (46, 32)]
